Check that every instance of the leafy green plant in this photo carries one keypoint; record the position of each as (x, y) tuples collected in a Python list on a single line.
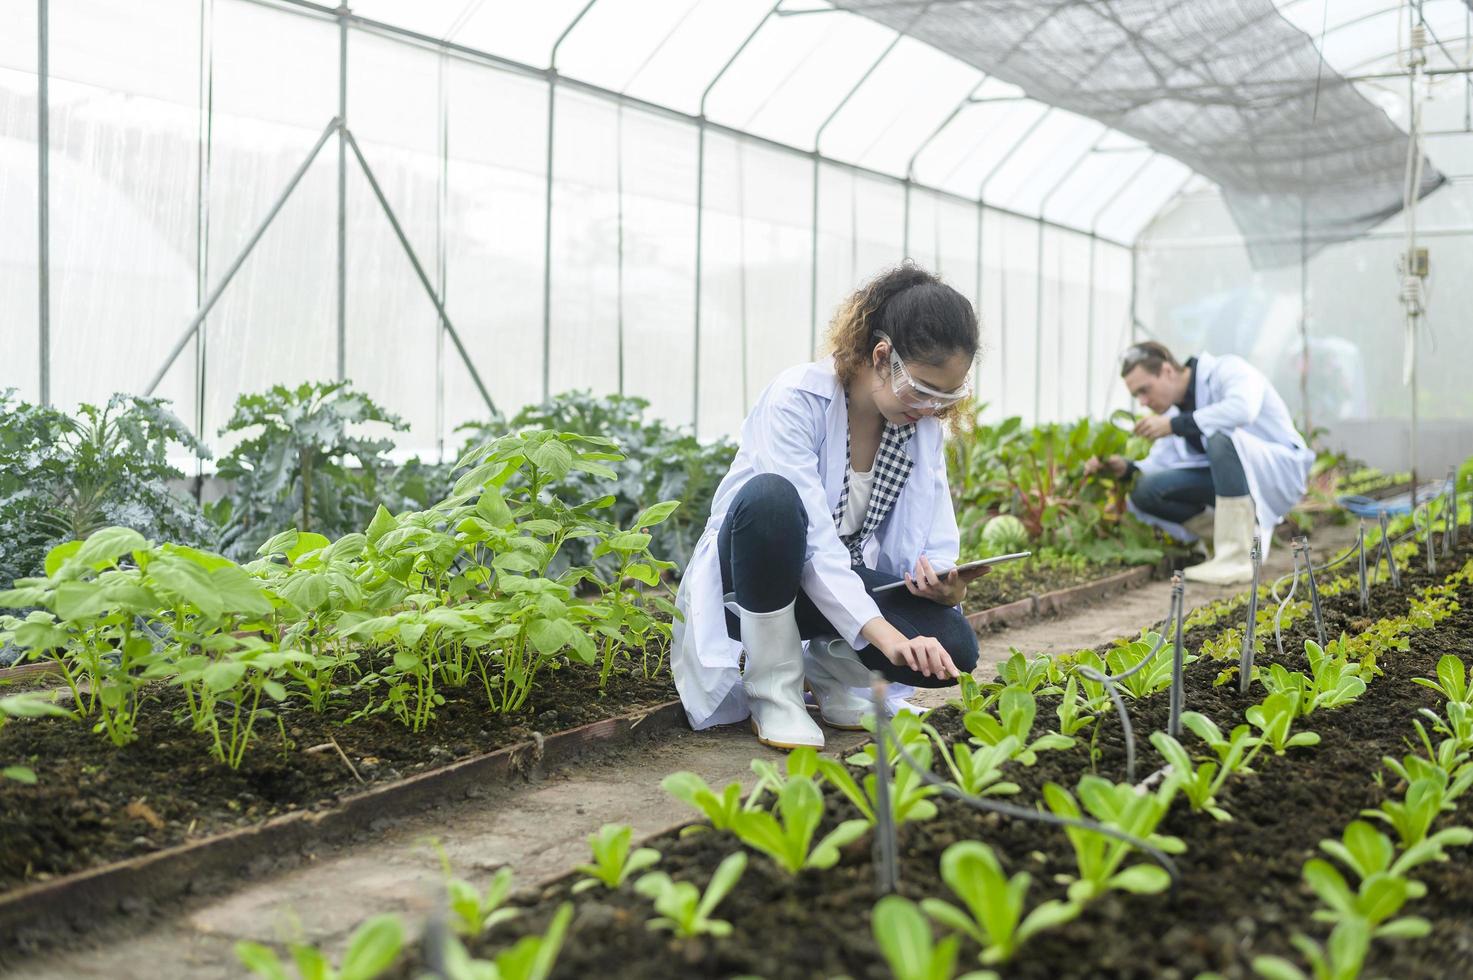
[(1368, 852), (304, 465), (787, 834), (979, 772), (472, 910), (532, 958), (1379, 898), (683, 908), (1331, 683), (1340, 959), (1072, 711), (63, 477), (720, 808), (1234, 752), (1452, 681), (614, 859), (1032, 675), (910, 796), (1426, 798), (1274, 719), (372, 949), (1199, 784), (1154, 677), (905, 940), (1098, 857), (1016, 709), (994, 903)]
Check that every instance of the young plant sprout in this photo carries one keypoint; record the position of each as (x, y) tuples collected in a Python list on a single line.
[(1098, 857), (613, 859), (1016, 709), (905, 940), (787, 834), (372, 950), (683, 908), (1274, 719), (994, 903)]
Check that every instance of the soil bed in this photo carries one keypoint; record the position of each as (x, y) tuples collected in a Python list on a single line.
[(1240, 894), (94, 803), (1025, 579)]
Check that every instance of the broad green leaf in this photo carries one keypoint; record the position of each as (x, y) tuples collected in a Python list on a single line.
[(260, 960), (279, 544), (553, 458), (383, 522), (629, 541), (307, 542), (187, 582), (57, 556), (20, 774), (239, 592), (656, 514), (348, 547), (103, 548), (493, 509)]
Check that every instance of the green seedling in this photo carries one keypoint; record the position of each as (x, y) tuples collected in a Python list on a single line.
[(1234, 752), (1154, 677), (1016, 709), (1457, 725), (1031, 675), (974, 697), (1452, 679), (905, 940), (909, 793), (532, 958), (27, 704), (613, 859), (683, 908), (1331, 683), (372, 949), (979, 771), (1198, 783), (1426, 798), (1366, 851), (1274, 719), (1379, 897), (1340, 959), (719, 808), (787, 837), (994, 902), (1073, 712), (1098, 857), (475, 911)]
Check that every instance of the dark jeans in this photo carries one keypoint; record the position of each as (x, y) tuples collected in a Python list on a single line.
[(1178, 495), (761, 545)]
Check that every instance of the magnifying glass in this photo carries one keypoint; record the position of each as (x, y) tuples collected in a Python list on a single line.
[(1124, 420)]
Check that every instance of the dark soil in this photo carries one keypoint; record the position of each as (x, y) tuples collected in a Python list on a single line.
[(1017, 580), (1239, 896), (94, 803)]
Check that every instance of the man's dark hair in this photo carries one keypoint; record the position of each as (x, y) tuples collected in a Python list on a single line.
[(1148, 354)]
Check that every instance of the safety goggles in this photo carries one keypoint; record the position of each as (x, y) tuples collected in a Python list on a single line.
[(918, 394)]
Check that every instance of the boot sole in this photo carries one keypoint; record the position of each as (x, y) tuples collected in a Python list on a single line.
[(832, 724), (772, 743)]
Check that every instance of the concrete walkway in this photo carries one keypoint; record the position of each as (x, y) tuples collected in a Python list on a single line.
[(539, 829)]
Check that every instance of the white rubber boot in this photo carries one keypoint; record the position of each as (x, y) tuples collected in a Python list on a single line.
[(773, 680), (1231, 563), (1202, 525), (836, 677)]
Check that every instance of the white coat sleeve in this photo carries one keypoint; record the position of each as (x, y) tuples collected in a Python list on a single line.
[(1243, 388), (1163, 456), (943, 541), (788, 430)]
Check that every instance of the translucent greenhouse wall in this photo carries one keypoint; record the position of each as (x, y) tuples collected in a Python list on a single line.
[(175, 125), (1196, 290)]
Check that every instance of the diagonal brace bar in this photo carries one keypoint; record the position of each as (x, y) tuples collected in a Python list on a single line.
[(419, 270), (214, 297)]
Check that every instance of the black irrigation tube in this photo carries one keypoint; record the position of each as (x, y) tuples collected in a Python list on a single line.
[(887, 876)]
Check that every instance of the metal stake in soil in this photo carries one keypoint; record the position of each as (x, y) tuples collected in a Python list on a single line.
[(1431, 547), (1452, 514), (1178, 695), (887, 871), (1385, 550), (1314, 592), (1360, 551), (1245, 658)]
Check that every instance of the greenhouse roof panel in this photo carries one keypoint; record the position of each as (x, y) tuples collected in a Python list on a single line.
[(1230, 88)]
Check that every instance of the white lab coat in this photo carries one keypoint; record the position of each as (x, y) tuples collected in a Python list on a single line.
[(1234, 397), (799, 429)]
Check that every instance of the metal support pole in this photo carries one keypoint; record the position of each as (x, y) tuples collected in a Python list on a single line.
[(342, 345), (43, 195), (1178, 692), (619, 271), (1038, 332), (1314, 591), (1386, 548), (205, 149), (552, 80), (1453, 510), (1365, 588), (199, 316), (887, 867), (419, 271), (1245, 657), (1449, 511)]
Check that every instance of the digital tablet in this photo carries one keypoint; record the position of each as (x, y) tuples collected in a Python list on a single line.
[(960, 568)]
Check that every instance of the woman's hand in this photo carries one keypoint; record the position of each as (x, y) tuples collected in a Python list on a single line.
[(923, 654), (947, 589)]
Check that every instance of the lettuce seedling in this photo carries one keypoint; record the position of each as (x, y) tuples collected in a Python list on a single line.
[(1198, 783), (1073, 720), (1366, 851), (1379, 897), (532, 958), (719, 808), (1340, 959), (682, 907), (909, 793), (1452, 680), (1016, 710), (905, 940), (1427, 797), (1155, 676), (1235, 752), (372, 949), (476, 911), (1099, 857), (1031, 675), (994, 902), (613, 860), (979, 772), (1275, 717), (787, 838)]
